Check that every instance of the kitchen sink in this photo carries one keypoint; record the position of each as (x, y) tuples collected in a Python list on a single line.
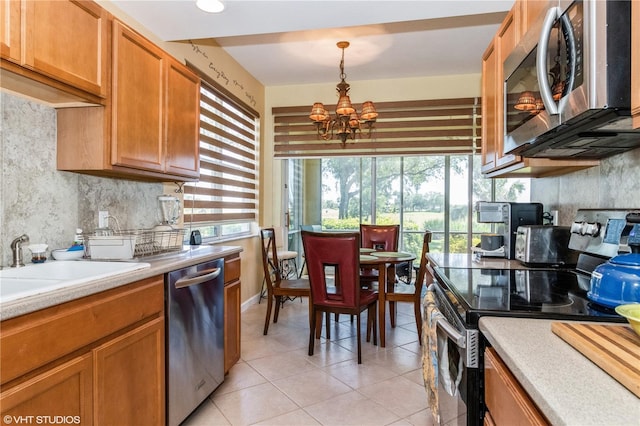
[(32, 279)]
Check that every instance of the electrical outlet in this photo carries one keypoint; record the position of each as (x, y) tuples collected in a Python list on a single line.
[(103, 219)]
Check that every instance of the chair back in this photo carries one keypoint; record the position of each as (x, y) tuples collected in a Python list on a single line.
[(379, 237), (270, 262), (422, 269), (333, 263)]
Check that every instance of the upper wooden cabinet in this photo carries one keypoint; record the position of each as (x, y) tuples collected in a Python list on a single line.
[(495, 163), (149, 127), (61, 44), (530, 11), (635, 62)]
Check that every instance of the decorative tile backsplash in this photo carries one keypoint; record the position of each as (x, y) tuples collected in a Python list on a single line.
[(612, 184), (46, 204)]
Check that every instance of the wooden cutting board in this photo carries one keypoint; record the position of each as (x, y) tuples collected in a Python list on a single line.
[(614, 348)]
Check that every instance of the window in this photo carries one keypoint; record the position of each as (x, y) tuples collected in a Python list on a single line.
[(223, 203), (435, 192)]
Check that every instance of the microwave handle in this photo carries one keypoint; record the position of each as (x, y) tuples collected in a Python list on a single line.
[(541, 61)]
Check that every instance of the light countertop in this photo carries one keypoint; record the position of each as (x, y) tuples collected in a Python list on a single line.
[(160, 264), (565, 385)]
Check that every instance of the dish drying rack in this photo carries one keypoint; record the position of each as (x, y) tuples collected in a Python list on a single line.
[(115, 243)]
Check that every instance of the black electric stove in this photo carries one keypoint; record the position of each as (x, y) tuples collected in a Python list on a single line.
[(530, 293)]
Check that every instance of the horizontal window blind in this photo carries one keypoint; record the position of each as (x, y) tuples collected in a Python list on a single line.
[(227, 189), (441, 126)]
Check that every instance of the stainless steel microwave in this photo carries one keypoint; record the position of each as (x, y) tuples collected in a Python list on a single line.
[(567, 88)]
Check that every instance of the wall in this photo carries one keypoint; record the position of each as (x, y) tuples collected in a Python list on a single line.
[(47, 204), (442, 87), (612, 184)]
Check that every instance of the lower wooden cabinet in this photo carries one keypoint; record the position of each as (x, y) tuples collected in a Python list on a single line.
[(507, 402), (140, 354), (98, 359), (65, 391), (232, 307)]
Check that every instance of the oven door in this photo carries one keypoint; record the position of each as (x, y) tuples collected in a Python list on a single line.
[(459, 382)]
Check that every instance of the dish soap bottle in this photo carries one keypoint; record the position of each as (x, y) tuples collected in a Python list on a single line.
[(78, 241)]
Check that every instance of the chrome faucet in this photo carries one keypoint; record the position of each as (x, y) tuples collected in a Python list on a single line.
[(16, 248)]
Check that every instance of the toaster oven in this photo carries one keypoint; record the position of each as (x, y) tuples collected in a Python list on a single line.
[(544, 245)]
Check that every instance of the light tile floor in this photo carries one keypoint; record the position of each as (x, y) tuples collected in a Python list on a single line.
[(277, 383)]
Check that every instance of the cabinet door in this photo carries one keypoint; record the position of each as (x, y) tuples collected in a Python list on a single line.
[(137, 101), (67, 40), (489, 107), (507, 39), (506, 400), (10, 35), (130, 377), (182, 121), (65, 390), (532, 11), (232, 298)]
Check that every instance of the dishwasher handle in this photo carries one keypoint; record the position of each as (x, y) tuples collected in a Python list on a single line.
[(198, 278)]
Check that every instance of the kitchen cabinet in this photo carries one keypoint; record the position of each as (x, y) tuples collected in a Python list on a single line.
[(493, 156), (100, 358), (530, 11), (149, 127), (232, 299), (635, 62), (495, 163), (61, 46), (507, 402)]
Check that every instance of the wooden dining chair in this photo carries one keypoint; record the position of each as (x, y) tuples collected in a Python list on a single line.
[(379, 238), (412, 293), (278, 287), (333, 263)]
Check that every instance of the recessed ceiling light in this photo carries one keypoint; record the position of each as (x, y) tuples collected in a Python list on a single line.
[(211, 6)]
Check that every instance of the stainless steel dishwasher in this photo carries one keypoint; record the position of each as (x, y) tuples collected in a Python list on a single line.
[(195, 340)]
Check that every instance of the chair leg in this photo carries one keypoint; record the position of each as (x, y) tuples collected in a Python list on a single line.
[(418, 314), (374, 313), (359, 343), (268, 318), (327, 326), (312, 330), (276, 313), (392, 313)]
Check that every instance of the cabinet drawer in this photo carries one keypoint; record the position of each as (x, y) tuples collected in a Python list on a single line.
[(231, 268), (33, 340)]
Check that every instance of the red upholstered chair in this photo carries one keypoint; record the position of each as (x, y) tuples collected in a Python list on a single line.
[(379, 238), (333, 263), (278, 288)]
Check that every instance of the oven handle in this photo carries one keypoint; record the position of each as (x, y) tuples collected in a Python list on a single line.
[(199, 278), (451, 332)]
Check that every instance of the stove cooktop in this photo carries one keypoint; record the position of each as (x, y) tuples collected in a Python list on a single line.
[(536, 293)]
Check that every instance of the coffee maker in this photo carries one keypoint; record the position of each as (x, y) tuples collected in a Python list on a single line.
[(508, 216)]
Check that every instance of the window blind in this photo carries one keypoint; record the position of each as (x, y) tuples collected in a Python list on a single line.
[(441, 126), (227, 189)]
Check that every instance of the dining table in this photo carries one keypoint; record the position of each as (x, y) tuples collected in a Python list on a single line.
[(385, 262)]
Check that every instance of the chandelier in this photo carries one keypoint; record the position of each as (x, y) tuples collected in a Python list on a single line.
[(346, 122)]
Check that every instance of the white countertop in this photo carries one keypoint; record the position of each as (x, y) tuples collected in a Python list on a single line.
[(160, 264), (565, 385)]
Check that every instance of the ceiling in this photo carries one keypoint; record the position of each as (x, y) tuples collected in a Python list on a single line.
[(294, 42)]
